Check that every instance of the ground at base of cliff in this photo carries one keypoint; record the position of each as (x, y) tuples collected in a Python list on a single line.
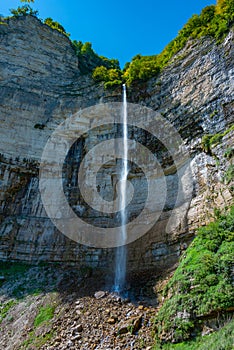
[(55, 307)]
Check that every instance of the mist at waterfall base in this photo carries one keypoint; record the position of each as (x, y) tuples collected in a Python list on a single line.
[(121, 251)]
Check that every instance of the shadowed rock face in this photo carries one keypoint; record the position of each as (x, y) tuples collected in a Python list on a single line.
[(41, 85)]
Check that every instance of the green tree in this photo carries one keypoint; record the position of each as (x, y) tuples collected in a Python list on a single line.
[(111, 77), (207, 14), (110, 63), (77, 46), (89, 60), (214, 21), (141, 68), (221, 6), (114, 74), (100, 74), (55, 25), (24, 11), (87, 49)]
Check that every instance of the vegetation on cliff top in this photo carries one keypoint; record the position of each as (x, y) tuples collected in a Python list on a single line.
[(55, 25), (214, 21), (202, 285), (23, 11), (88, 58)]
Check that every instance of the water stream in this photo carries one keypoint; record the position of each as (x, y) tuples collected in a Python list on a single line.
[(121, 251)]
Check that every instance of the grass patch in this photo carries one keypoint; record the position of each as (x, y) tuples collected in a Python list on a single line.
[(45, 313), (229, 174), (4, 308), (210, 140), (202, 283), (229, 153), (9, 269), (36, 342), (17, 274), (14, 272), (221, 340)]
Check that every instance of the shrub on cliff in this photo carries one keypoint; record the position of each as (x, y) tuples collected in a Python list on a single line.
[(214, 21), (55, 25), (142, 68), (220, 340), (24, 11), (202, 284), (89, 59), (110, 77), (210, 140)]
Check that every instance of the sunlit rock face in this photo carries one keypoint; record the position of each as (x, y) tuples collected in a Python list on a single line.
[(41, 85)]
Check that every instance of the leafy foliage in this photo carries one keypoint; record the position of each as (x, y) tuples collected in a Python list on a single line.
[(89, 59), (112, 77), (210, 140), (202, 283), (221, 340), (24, 11), (141, 68), (229, 175), (5, 307), (12, 269), (36, 341), (45, 313), (55, 25), (214, 21)]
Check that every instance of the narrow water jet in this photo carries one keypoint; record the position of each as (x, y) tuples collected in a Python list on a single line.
[(121, 251)]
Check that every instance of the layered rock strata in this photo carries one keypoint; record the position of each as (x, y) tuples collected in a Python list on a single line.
[(41, 86)]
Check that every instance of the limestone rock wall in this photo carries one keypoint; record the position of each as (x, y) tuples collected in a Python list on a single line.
[(196, 94), (41, 85)]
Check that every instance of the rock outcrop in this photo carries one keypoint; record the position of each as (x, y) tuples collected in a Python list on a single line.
[(41, 85)]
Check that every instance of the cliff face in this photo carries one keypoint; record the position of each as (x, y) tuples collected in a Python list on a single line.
[(196, 94), (41, 85)]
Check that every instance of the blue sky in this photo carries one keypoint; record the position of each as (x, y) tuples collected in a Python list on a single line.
[(118, 29)]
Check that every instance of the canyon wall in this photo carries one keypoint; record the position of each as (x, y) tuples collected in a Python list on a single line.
[(41, 85)]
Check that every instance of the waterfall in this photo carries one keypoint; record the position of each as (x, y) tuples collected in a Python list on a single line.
[(121, 251)]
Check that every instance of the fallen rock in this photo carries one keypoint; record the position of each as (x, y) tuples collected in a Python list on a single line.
[(99, 295), (207, 330), (78, 328), (131, 325), (77, 337), (111, 320)]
